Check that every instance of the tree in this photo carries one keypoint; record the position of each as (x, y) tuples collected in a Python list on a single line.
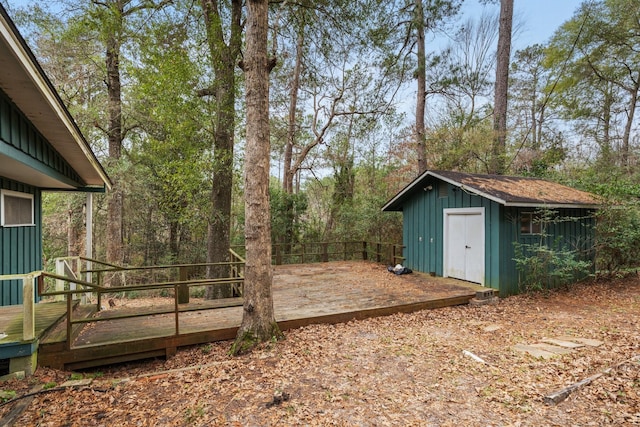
[(599, 45), (421, 77), (435, 12), (464, 75), (326, 77), (224, 51), (107, 20), (497, 162), (539, 145), (399, 39), (461, 83), (169, 147), (258, 318)]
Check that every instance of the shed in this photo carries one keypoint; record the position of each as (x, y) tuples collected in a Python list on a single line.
[(41, 149), (464, 225)]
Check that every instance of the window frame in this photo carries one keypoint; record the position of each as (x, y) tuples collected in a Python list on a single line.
[(443, 189), (21, 195), (534, 225)]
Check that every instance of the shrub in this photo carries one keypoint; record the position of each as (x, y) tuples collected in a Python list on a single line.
[(541, 267), (618, 238)]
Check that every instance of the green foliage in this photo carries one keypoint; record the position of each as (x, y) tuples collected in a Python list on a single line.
[(596, 64), (542, 265), (192, 415), (7, 395), (249, 339), (287, 211), (458, 145), (75, 376), (618, 238), (618, 220)]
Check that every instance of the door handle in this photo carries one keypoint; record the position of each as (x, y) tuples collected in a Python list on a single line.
[(467, 247)]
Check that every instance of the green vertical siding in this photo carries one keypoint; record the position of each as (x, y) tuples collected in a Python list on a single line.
[(510, 225), (423, 233), (20, 247), (576, 231), (17, 132)]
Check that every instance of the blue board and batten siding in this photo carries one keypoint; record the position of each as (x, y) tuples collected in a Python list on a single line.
[(571, 229), (423, 232), (21, 246), (20, 140)]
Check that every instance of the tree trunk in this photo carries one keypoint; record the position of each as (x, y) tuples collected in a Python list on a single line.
[(421, 75), (74, 230), (630, 117), (115, 201), (497, 160), (605, 145), (223, 60), (289, 173), (258, 318)]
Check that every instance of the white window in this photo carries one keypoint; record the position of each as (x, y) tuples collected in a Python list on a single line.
[(16, 209)]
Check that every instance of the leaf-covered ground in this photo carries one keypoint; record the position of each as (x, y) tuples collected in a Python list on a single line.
[(400, 370)]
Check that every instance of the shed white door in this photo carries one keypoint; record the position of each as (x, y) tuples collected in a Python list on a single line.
[(464, 244)]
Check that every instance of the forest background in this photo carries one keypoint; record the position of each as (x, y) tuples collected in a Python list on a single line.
[(156, 87)]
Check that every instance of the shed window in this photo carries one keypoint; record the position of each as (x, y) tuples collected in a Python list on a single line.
[(16, 209), (529, 223), (443, 189)]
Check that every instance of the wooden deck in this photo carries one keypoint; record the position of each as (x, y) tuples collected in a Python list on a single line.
[(47, 315), (303, 294)]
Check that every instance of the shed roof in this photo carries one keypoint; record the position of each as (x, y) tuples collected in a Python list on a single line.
[(505, 190), (24, 81)]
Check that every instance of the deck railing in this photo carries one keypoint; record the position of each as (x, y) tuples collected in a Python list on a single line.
[(310, 252), (92, 279), (72, 287), (29, 284)]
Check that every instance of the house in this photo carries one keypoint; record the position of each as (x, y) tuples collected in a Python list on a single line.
[(464, 225), (41, 149)]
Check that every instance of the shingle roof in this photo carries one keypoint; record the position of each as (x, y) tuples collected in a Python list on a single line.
[(506, 190)]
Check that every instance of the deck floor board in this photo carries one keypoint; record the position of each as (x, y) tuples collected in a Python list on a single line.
[(303, 294)]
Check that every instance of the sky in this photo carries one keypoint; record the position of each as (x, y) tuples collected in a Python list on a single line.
[(540, 17)]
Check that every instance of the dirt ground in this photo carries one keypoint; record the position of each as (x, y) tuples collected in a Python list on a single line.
[(402, 370)]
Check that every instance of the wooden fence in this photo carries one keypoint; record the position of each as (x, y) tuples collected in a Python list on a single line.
[(311, 252)]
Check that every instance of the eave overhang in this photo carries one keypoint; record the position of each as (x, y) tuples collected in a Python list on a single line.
[(395, 204), (24, 81)]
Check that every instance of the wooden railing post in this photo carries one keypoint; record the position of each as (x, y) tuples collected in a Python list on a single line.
[(28, 308), (183, 288), (99, 298), (278, 254), (176, 308), (69, 329)]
